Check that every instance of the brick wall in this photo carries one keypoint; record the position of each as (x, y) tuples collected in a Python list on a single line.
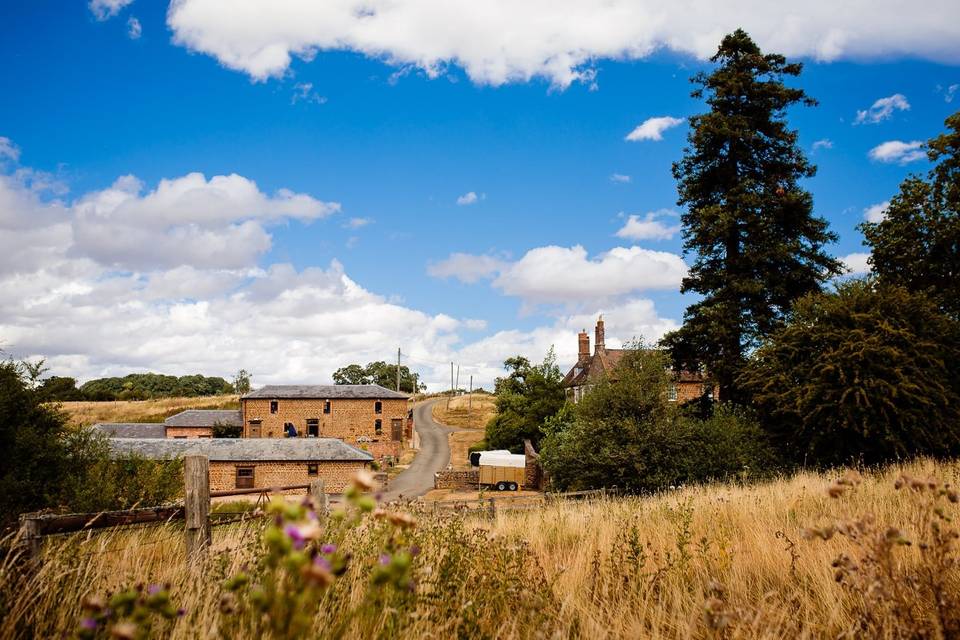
[(382, 448), (348, 419), (189, 432), (687, 391), (456, 479), (533, 473), (336, 475)]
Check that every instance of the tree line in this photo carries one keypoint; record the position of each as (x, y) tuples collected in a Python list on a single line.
[(135, 386), (812, 367)]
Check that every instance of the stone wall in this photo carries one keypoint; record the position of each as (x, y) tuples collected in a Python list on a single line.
[(336, 475), (189, 432), (533, 476), (456, 479)]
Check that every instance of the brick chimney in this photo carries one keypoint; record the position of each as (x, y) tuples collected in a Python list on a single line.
[(600, 346), (583, 342)]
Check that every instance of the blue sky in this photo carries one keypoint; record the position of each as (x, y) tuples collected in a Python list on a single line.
[(394, 136)]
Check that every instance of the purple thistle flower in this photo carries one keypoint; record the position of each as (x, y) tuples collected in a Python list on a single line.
[(384, 559), (414, 550), (181, 612), (322, 562), (154, 589), (294, 534), (88, 623), (328, 548)]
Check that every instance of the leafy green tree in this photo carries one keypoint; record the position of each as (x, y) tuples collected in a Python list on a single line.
[(917, 244), (142, 386), (241, 382), (227, 430), (625, 433), (750, 224), (525, 399), (379, 373), (59, 389), (870, 373)]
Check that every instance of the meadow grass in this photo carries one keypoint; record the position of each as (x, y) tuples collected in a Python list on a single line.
[(469, 411), (84, 413), (725, 561)]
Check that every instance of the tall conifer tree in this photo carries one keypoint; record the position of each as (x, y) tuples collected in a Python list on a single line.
[(747, 220)]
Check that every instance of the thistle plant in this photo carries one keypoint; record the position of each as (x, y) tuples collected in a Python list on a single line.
[(130, 614)]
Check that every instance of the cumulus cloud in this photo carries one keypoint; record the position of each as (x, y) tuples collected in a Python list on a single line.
[(650, 227), (620, 178), (8, 149), (105, 9), (876, 212), (303, 92), (882, 109), (898, 151), (469, 198), (950, 92), (134, 29), (466, 267), (653, 128), (825, 143), (558, 40), (856, 263), (357, 223)]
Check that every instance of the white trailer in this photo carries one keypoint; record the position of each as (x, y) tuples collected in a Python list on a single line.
[(503, 470)]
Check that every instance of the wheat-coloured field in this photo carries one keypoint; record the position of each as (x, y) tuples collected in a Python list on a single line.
[(469, 411), (700, 562), (87, 413)]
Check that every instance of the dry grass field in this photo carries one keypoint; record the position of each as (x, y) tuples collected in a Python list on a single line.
[(470, 411), (460, 443), (722, 561), (87, 413)]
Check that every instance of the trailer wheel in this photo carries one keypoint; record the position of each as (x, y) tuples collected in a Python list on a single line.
[(513, 486), (501, 486)]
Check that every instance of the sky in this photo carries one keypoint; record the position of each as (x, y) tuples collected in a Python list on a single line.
[(290, 187)]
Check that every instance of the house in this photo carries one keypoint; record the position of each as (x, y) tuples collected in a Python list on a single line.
[(199, 423), (240, 463), (368, 415), (590, 368), (131, 429)]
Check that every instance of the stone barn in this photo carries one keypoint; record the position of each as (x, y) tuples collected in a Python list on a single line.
[(262, 463), (199, 423)]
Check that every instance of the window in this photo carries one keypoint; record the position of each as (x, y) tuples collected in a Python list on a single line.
[(378, 407), (204, 436), (179, 437), (378, 427), (312, 469), (245, 477), (289, 430), (274, 406), (672, 393), (313, 428), (326, 406)]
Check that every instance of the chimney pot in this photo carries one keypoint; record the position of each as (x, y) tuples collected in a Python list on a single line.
[(600, 346)]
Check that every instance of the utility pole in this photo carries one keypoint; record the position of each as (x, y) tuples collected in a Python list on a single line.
[(456, 389), (398, 368), (451, 385), (470, 399)]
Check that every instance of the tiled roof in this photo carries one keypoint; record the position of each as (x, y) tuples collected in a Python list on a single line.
[(606, 361), (205, 418), (132, 429), (325, 392), (244, 449)]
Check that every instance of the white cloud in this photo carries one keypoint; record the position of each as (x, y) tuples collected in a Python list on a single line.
[(357, 223), (856, 263), (466, 267), (620, 178), (825, 143), (104, 9), (500, 41), (469, 198), (650, 227), (8, 149), (876, 212), (898, 151), (653, 128), (883, 109), (134, 29), (303, 92), (950, 92)]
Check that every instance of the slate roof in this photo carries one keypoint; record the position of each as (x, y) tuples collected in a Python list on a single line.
[(325, 392), (244, 449), (604, 361), (205, 418), (132, 429)]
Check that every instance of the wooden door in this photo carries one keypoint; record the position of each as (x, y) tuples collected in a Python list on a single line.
[(254, 430), (396, 429)]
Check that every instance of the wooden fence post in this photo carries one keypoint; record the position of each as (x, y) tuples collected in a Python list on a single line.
[(196, 504), (319, 497), (492, 510), (30, 534)]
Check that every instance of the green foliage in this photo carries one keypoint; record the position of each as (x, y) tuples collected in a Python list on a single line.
[(241, 382), (379, 373), (130, 614), (227, 430), (869, 373), (525, 399), (917, 244), (750, 224), (143, 386), (59, 389), (625, 433)]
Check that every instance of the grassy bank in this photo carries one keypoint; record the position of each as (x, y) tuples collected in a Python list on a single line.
[(698, 562), (87, 413), (472, 411)]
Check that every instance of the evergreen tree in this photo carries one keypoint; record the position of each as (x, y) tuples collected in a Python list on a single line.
[(917, 244), (758, 245)]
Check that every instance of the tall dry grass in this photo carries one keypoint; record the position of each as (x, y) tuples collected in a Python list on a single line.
[(469, 411), (84, 413), (701, 562)]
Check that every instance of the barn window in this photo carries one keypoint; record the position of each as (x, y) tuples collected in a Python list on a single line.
[(378, 427), (313, 428), (672, 393), (245, 477), (378, 407), (274, 406), (312, 469), (179, 437), (326, 406)]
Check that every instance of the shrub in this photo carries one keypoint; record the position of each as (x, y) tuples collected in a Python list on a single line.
[(525, 398), (869, 373)]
